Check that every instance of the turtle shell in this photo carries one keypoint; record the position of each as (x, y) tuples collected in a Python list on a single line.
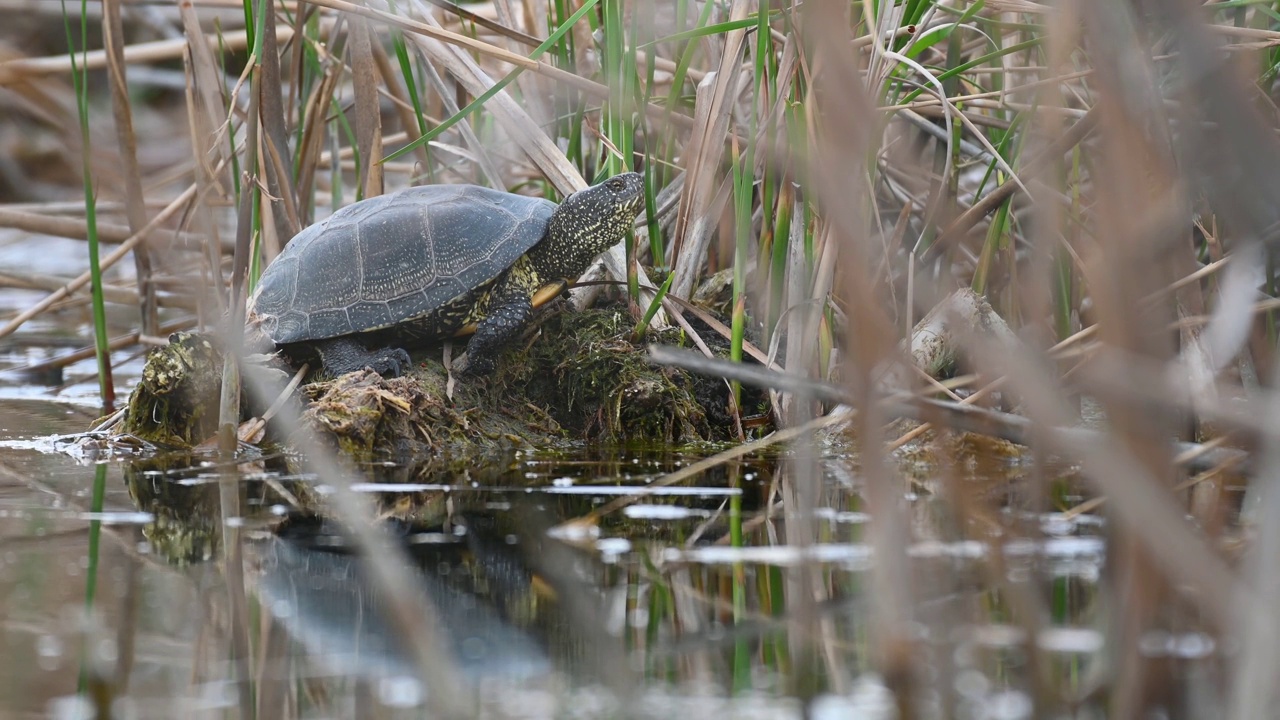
[(395, 258)]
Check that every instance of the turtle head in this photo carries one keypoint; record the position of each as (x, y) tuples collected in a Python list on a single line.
[(587, 223)]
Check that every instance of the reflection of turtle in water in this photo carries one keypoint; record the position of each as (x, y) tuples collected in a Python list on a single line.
[(423, 263), (490, 625)]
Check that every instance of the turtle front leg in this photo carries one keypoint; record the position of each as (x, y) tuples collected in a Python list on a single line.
[(342, 355), (508, 314)]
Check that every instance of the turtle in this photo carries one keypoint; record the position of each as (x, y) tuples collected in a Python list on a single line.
[(426, 262)]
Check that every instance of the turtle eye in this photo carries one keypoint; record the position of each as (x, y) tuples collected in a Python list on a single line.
[(615, 184)]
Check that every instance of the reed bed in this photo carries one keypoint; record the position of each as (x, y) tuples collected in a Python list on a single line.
[(1103, 174)]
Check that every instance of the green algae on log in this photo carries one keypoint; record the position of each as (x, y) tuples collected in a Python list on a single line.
[(582, 379)]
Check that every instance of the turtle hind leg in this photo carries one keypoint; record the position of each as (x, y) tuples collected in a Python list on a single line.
[(506, 318), (342, 355)]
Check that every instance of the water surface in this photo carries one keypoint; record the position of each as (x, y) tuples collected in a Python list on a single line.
[(556, 590)]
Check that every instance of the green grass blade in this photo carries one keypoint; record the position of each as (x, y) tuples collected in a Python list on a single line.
[(93, 553), (79, 79), (778, 258), (497, 87), (657, 249), (619, 128), (982, 60), (255, 255), (743, 176), (642, 327), (250, 26), (1064, 267), (704, 31), (742, 656), (996, 235), (406, 69)]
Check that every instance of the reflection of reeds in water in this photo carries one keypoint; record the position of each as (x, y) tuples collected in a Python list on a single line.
[(1101, 173)]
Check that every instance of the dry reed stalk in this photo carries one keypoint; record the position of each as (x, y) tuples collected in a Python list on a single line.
[(1233, 154), (278, 162), (313, 121), (53, 283), (368, 113), (275, 672), (394, 86), (839, 120), (205, 107), (536, 98), (1140, 204), (716, 96), (21, 69), (110, 260), (75, 229), (229, 401), (590, 87), (479, 151), (212, 156), (135, 209), (116, 343), (540, 149)]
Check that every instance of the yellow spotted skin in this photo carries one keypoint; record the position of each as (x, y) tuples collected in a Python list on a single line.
[(425, 263), (471, 309)]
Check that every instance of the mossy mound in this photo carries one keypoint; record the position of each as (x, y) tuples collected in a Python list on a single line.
[(366, 416), (591, 375), (587, 373), (580, 376), (176, 402)]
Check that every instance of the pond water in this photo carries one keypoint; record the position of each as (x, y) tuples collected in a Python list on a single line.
[(556, 591)]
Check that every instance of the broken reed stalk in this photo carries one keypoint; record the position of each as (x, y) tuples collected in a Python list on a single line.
[(50, 283)]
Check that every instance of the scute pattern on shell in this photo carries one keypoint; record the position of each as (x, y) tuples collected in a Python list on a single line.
[(395, 258)]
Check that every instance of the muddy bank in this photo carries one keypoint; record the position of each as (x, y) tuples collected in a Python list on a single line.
[(578, 376)]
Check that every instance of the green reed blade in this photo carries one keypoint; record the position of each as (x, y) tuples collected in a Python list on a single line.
[(982, 60), (657, 249), (497, 87), (642, 327), (706, 30), (93, 554), (406, 69), (80, 85)]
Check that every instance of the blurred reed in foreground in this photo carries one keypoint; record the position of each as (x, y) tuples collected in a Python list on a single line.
[(1106, 175)]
